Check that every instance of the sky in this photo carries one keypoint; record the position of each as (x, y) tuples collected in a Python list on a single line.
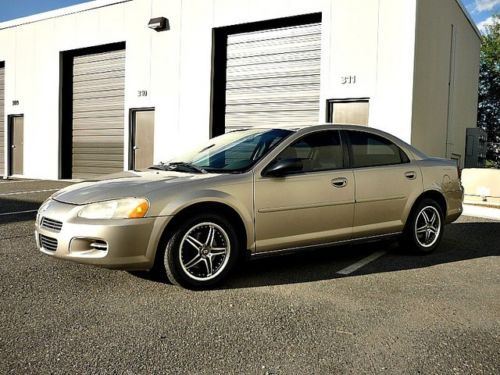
[(481, 10), (10, 9)]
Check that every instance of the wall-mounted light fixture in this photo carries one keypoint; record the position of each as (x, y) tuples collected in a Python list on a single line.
[(159, 24)]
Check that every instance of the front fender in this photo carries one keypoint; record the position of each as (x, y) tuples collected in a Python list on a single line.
[(243, 207)]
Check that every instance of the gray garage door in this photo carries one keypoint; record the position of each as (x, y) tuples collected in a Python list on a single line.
[(273, 77), (98, 113), (2, 124)]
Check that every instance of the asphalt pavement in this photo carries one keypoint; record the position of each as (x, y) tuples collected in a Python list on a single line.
[(297, 314)]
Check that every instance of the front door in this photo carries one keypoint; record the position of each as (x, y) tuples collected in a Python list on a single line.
[(142, 147), (16, 143), (314, 205)]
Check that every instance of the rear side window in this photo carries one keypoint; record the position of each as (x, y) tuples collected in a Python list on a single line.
[(371, 150), (319, 151)]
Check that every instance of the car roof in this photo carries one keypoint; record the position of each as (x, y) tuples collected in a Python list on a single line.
[(305, 129)]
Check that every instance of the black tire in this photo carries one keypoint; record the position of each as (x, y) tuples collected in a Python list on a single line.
[(420, 235), (178, 251)]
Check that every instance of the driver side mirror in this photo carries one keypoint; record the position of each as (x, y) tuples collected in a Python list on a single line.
[(283, 167)]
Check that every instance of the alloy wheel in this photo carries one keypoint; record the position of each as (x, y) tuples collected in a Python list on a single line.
[(427, 226), (204, 251)]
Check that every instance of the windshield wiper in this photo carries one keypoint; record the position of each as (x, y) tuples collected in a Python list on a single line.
[(178, 166)]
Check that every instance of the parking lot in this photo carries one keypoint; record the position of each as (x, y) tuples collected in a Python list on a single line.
[(359, 309)]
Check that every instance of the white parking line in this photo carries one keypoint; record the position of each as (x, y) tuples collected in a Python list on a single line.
[(28, 192), (16, 181), (363, 262), (17, 212)]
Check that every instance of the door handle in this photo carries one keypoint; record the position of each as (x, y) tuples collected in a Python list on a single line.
[(136, 148), (13, 146), (411, 175), (339, 182)]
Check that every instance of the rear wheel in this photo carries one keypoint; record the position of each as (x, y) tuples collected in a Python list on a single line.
[(201, 252), (425, 228)]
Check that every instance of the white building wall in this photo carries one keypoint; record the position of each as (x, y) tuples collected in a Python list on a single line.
[(371, 39), (392, 99)]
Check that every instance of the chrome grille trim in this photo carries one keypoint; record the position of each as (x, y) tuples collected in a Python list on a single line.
[(48, 243), (51, 224)]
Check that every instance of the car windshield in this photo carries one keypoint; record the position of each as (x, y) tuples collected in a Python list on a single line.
[(232, 152)]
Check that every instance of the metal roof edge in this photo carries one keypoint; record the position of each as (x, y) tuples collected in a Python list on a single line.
[(469, 18)]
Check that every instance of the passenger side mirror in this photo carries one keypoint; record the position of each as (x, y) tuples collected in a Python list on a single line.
[(283, 167)]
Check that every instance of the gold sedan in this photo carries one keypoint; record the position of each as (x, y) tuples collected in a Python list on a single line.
[(254, 191)]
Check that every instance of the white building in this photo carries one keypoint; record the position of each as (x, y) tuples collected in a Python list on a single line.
[(79, 79)]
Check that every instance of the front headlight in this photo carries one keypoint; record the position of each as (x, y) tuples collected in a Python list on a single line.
[(127, 208)]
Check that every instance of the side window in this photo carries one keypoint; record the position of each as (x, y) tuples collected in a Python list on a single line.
[(318, 151), (370, 150)]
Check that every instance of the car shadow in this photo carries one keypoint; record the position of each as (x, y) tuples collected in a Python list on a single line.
[(461, 241), (16, 210)]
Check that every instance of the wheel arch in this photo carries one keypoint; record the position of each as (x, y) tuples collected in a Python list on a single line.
[(436, 196), (208, 206)]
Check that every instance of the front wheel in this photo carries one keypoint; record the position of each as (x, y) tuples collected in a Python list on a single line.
[(201, 252), (425, 228)]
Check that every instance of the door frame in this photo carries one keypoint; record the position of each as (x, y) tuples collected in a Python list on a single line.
[(131, 133), (10, 122)]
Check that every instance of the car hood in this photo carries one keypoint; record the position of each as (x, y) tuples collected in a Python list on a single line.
[(123, 185)]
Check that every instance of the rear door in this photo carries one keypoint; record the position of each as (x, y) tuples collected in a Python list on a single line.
[(387, 182), (313, 206)]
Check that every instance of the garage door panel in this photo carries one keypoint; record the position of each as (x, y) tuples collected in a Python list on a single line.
[(90, 172), (268, 72), (96, 132), (98, 113), (274, 58), (301, 67), (272, 107), (105, 140), (267, 119), (82, 63), (94, 156), (269, 49), (100, 163), (113, 70), (93, 148), (279, 33), (96, 77), (97, 57), (104, 92), (101, 85), (101, 123), (290, 93), (273, 77), (98, 104)]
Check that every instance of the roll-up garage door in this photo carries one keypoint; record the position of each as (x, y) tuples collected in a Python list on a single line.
[(98, 113), (273, 77), (2, 124)]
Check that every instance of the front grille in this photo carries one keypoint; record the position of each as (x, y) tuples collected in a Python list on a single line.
[(48, 243), (51, 224)]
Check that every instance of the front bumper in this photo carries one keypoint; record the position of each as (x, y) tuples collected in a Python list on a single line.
[(124, 243)]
